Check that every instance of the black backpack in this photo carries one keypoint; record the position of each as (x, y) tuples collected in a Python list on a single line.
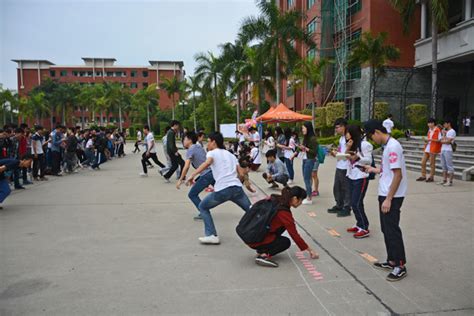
[(255, 224)]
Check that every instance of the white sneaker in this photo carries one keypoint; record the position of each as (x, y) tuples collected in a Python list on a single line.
[(448, 184), (167, 180), (209, 240), (143, 174), (441, 183), (307, 202), (290, 182)]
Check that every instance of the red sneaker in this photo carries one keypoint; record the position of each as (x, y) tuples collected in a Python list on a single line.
[(362, 234), (352, 230)]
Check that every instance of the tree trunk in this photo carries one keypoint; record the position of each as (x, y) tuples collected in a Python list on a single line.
[(313, 111), (51, 118), (277, 79), (434, 67), (194, 111), (82, 118), (101, 118), (172, 107), (63, 119), (148, 115), (238, 109), (120, 118), (215, 103), (371, 93)]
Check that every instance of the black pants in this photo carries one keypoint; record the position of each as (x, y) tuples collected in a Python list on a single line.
[(136, 147), (341, 191), (390, 224), (280, 244), (56, 162), (358, 188), (175, 162), (39, 165), (153, 157)]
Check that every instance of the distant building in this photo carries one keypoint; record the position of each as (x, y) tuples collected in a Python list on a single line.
[(31, 73)]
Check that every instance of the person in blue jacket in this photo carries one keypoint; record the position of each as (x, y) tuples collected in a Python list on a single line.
[(8, 166)]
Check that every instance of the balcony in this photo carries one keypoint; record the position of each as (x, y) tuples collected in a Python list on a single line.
[(457, 44)]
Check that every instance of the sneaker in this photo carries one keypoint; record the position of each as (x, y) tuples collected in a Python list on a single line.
[(273, 186), (264, 261), (448, 184), (43, 179), (334, 210), (151, 166), (307, 202), (421, 179), (362, 234), (344, 213), (397, 274), (441, 182), (430, 180), (383, 265), (315, 193), (19, 187), (167, 180), (143, 174), (290, 182), (353, 230), (27, 182), (210, 240), (160, 172), (197, 218)]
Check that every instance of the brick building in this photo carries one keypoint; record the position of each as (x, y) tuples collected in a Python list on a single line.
[(31, 73)]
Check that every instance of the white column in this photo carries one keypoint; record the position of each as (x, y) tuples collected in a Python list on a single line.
[(468, 8), (424, 14), (39, 73), (157, 76), (21, 75)]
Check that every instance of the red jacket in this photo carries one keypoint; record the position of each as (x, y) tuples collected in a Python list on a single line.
[(22, 146), (282, 221)]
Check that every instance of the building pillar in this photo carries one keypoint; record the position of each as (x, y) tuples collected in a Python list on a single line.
[(39, 74), (468, 8), (424, 15), (21, 75)]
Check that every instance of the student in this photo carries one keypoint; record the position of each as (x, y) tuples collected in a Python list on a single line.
[(341, 182), (201, 136), (432, 148), (360, 156), (274, 243), (150, 151), (447, 140), (254, 136), (269, 142), (228, 187), (276, 170), (309, 155), (280, 143), (39, 163), (71, 148), (176, 160), (56, 142), (388, 124), (138, 142), (195, 156), (240, 137), (11, 165), (255, 158), (314, 174), (288, 152), (391, 191)]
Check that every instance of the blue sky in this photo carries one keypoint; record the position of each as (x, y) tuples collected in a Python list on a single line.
[(133, 32)]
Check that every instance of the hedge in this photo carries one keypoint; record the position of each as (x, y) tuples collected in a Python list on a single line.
[(417, 115), (381, 110), (334, 110), (320, 117)]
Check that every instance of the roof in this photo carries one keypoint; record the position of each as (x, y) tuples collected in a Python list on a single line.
[(153, 62), (104, 58), (33, 60)]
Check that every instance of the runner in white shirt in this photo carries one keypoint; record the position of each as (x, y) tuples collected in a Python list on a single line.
[(150, 151), (388, 124), (392, 190), (447, 140), (225, 169)]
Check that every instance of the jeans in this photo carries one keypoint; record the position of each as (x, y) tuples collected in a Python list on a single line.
[(447, 161), (282, 178), (4, 190), (176, 161), (39, 166), (392, 234), (201, 183), (342, 195), (280, 244), (308, 165), (89, 157), (234, 193), (289, 167), (358, 188), (56, 162)]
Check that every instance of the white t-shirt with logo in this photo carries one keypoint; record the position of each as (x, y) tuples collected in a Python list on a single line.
[(451, 134), (37, 142), (255, 137), (149, 139), (392, 158), (224, 169), (388, 124), (342, 164)]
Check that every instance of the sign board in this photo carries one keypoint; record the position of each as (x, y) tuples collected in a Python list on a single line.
[(228, 130)]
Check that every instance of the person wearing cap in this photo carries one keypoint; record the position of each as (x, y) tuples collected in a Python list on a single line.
[(391, 192)]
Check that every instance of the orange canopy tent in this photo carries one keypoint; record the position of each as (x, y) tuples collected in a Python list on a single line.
[(281, 113)]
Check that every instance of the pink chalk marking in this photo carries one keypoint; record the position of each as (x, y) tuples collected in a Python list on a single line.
[(311, 269), (318, 278), (316, 274), (308, 264)]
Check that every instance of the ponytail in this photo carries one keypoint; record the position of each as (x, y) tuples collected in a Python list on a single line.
[(288, 193)]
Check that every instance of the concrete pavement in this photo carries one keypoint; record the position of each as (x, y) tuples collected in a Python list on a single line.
[(112, 243)]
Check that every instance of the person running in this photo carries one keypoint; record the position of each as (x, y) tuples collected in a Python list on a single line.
[(11, 165), (176, 160), (447, 140), (150, 152), (39, 163), (309, 155), (195, 156), (138, 142), (225, 169), (255, 158), (274, 243), (276, 171), (360, 152), (391, 192), (432, 148), (341, 182)]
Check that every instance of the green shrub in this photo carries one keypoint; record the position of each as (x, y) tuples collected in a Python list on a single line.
[(381, 110), (320, 117), (354, 122), (332, 140), (417, 115), (334, 110), (396, 133)]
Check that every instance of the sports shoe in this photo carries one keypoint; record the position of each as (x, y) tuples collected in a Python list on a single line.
[(197, 218), (383, 265), (353, 229), (315, 193), (143, 174), (334, 210), (307, 202), (421, 179), (448, 184), (344, 213), (265, 261), (160, 172), (362, 234), (290, 182), (151, 166), (27, 182), (273, 186), (441, 182), (167, 180), (210, 240), (397, 274), (430, 180)]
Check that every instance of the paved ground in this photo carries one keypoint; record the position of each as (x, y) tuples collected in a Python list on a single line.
[(112, 243)]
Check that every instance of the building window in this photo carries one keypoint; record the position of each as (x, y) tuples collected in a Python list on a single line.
[(309, 85), (354, 73), (52, 73), (311, 27), (82, 73), (311, 53), (145, 85), (110, 74), (98, 73), (356, 109), (89, 74), (63, 73), (289, 90), (133, 73), (75, 73), (354, 6), (133, 85), (145, 74), (309, 4), (289, 3), (118, 74)]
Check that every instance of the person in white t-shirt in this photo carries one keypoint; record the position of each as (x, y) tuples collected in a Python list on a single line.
[(392, 190), (138, 142), (150, 152), (254, 136), (255, 157), (388, 124), (341, 191), (225, 169), (447, 140), (288, 152)]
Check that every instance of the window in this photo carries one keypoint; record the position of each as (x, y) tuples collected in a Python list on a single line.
[(311, 27), (110, 74), (82, 73), (118, 74), (98, 73), (289, 3), (354, 72), (63, 73), (133, 73), (354, 6), (356, 109), (289, 90), (133, 85), (145, 73), (52, 73), (75, 73), (309, 4), (89, 74), (311, 53), (145, 85)]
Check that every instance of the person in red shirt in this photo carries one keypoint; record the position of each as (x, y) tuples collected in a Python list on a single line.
[(274, 242)]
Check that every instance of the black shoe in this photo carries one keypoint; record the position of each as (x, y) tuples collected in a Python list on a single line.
[(383, 266), (334, 210), (19, 187), (264, 261), (27, 182), (397, 274), (344, 213)]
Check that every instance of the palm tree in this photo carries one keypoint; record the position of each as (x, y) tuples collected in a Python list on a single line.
[(373, 51), (193, 85), (209, 72), (85, 99), (439, 22), (172, 86), (6, 96), (276, 31), (145, 101), (311, 71)]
